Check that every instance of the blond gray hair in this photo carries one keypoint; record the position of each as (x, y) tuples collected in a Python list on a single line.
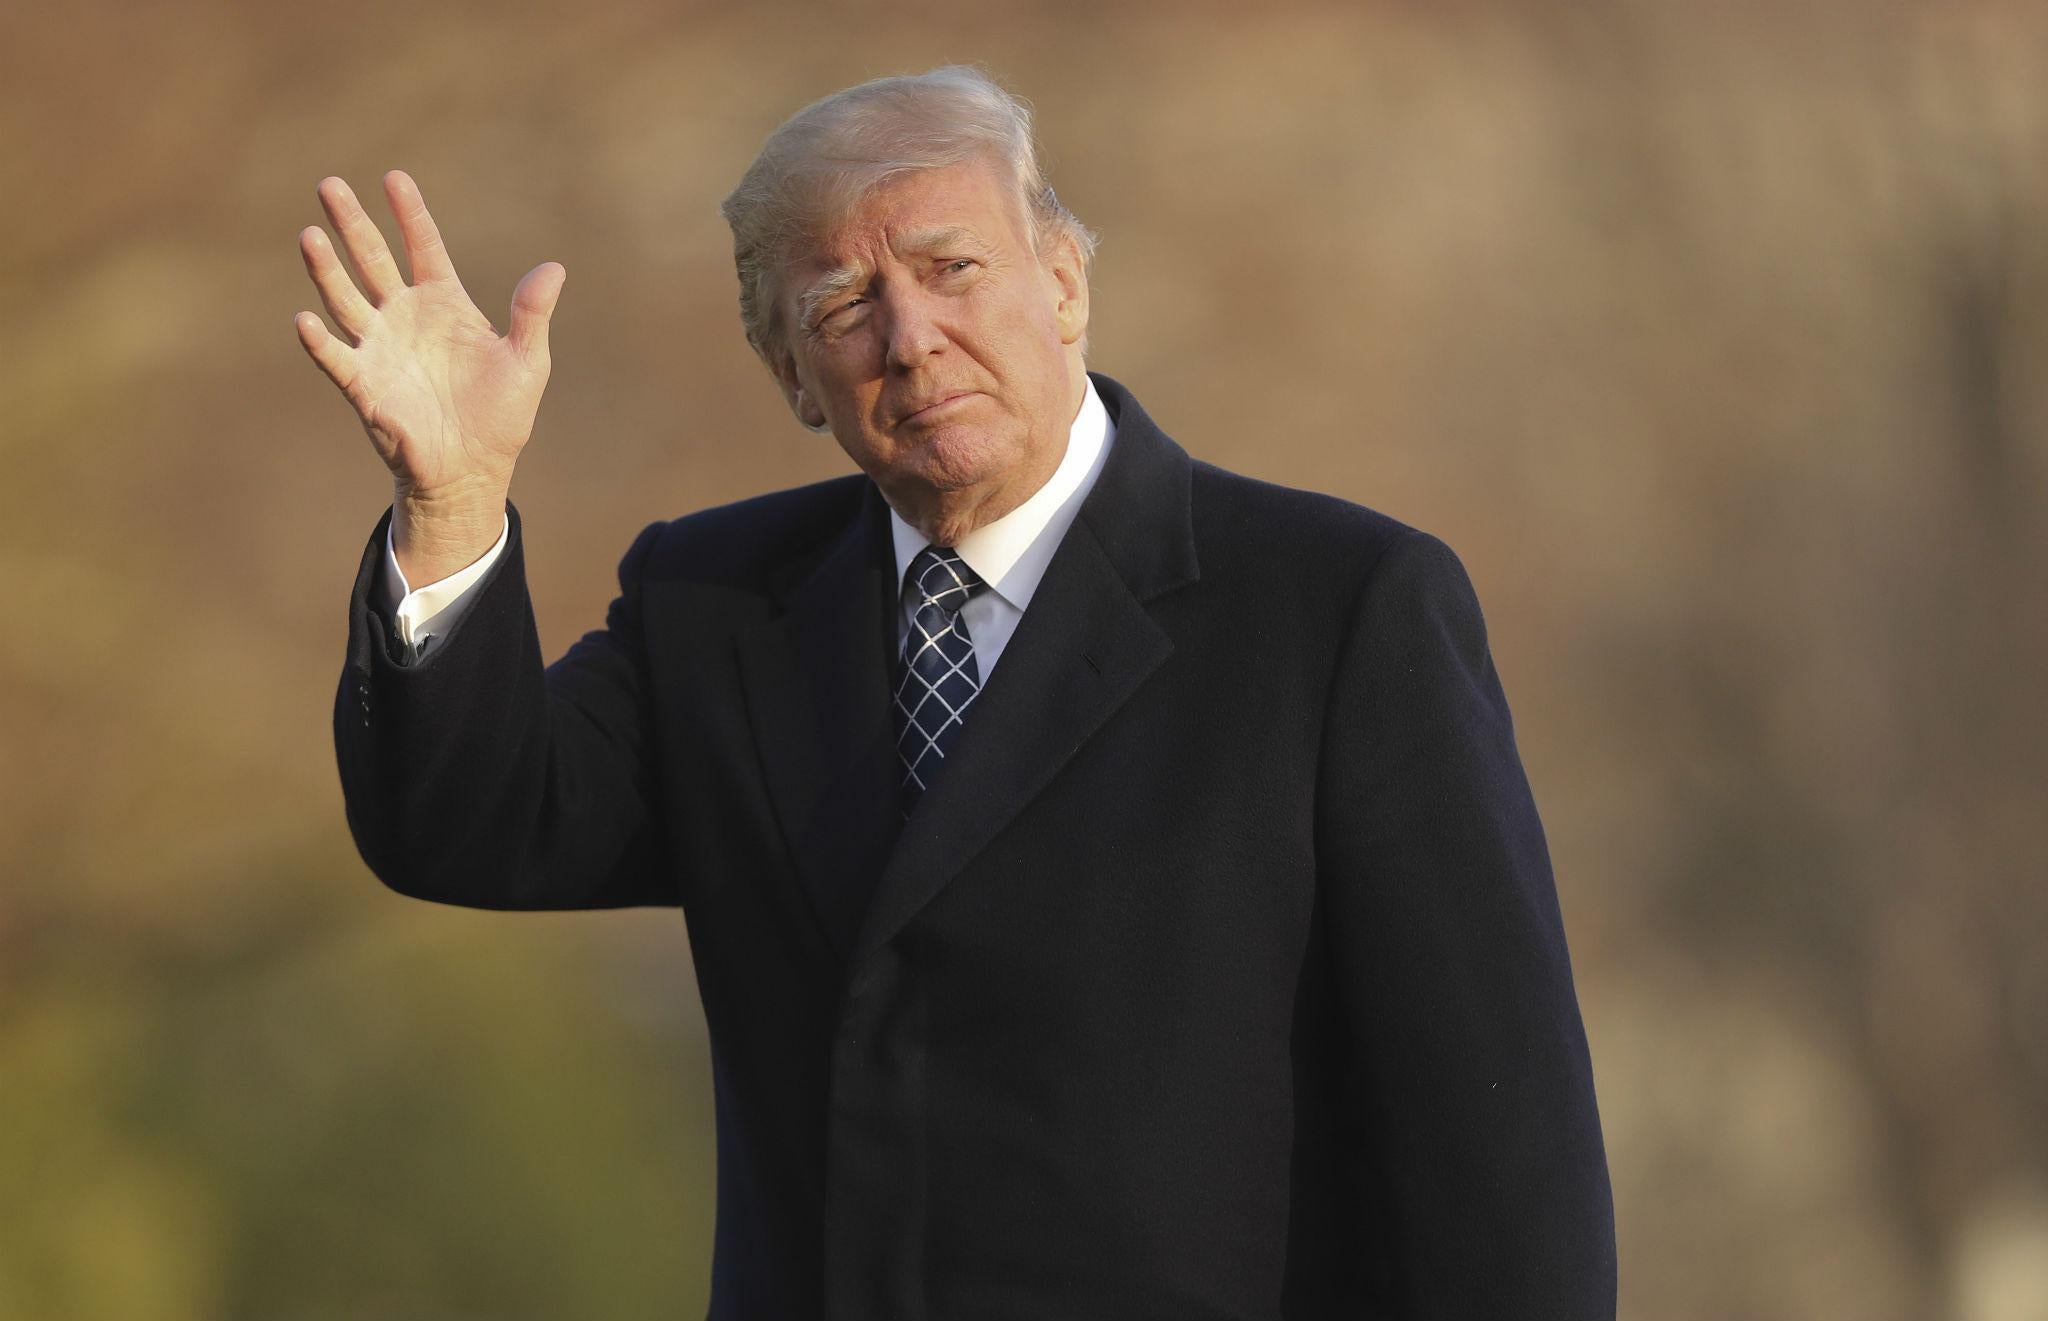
[(828, 156)]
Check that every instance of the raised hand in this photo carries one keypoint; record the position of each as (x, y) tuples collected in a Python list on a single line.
[(447, 401)]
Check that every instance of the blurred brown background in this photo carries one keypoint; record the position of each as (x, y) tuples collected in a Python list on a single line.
[(1714, 337)]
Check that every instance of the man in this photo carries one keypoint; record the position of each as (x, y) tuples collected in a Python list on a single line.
[(1113, 887)]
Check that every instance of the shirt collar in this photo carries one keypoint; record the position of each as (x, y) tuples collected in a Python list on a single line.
[(1011, 553)]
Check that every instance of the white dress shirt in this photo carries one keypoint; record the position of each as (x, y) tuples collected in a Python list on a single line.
[(426, 612), (1009, 554)]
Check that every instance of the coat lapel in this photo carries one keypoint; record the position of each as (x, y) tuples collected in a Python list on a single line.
[(817, 692), (1082, 648)]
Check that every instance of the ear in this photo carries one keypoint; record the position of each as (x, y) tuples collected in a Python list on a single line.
[(801, 401), (1070, 281)]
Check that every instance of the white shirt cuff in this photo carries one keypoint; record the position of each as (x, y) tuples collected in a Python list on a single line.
[(424, 612)]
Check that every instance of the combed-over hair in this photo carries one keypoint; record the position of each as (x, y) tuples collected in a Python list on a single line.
[(828, 156)]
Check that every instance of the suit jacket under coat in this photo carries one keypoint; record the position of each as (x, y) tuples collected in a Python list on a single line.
[(1220, 975)]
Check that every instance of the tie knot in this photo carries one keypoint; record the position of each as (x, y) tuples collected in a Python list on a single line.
[(941, 578)]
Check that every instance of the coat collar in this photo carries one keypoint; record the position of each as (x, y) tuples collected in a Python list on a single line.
[(818, 689)]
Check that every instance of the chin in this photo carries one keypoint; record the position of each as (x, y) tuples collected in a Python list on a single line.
[(957, 458)]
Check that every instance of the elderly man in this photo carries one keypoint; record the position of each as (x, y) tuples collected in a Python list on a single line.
[(1113, 887)]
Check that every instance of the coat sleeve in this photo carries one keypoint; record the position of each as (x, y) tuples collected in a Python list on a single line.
[(1467, 1083), (474, 776)]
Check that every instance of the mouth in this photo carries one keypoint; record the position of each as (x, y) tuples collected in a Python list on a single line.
[(928, 411)]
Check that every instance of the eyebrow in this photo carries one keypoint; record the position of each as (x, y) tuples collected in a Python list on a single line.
[(939, 239), (824, 289)]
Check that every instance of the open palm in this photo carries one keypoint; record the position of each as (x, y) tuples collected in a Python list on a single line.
[(447, 401)]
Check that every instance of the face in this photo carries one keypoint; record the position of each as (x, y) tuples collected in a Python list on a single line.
[(940, 346)]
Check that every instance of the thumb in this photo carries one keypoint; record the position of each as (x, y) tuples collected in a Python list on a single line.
[(533, 302)]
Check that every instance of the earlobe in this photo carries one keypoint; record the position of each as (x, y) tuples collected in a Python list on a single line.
[(1072, 308), (1073, 318), (794, 394)]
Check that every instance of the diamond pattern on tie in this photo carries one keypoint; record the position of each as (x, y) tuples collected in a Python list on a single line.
[(939, 674)]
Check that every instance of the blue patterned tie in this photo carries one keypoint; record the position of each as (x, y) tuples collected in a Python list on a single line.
[(939, 674)]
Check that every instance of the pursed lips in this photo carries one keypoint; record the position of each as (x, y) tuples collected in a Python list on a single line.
[(942, 400)]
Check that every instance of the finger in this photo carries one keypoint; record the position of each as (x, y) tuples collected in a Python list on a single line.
[(361, 237), (533, 303), (337, 359), (424, 251), (348, 307)]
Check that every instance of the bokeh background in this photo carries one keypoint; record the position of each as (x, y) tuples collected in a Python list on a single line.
[(1713, 336)]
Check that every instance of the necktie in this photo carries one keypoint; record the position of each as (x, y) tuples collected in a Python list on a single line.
[(939, 674)]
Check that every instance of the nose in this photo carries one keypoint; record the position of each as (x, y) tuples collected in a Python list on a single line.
[(913, 332)]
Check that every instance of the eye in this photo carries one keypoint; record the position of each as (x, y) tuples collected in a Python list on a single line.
[(842, 315)]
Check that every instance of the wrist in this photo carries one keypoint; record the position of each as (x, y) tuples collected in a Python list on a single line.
[(435, 534)]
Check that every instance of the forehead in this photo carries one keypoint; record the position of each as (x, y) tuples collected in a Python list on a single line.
[(915, 211)]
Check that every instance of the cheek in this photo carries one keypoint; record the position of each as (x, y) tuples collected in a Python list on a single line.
[(839, 371), (1019, 343)]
